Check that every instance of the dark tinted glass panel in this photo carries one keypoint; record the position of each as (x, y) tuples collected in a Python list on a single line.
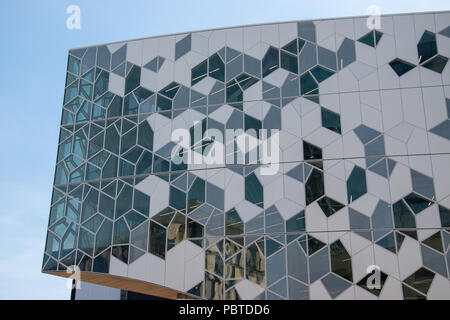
[(199, 72), (331, 120), (314, 187), (356, 184), (427, 46), (289, 62), (216, 68), (400, 66), (341, 263), (157, 240), (270, 61), (254, 190), (133, 79), (329, 206)]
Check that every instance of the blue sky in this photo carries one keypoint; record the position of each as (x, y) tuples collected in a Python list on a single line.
[(35, 42)]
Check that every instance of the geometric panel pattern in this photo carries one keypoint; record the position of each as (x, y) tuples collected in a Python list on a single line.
[(363, 175)]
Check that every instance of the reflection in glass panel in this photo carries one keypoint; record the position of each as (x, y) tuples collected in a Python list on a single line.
[(85, 89), (421, 280), (213, 287), (196, 195), (403, 217), (130, 105), (101, 84), (103, 237), (234, 267), (329, 206), (314, 187), (101, 263), (86, 241), (233, 223), (341, 262), (69, 239), (165, 216), (85, 263), (213, 261), (134, 219), (121, 232), (314, 245), (56, 212), (121, 253), (176, 231), (255, 265), (195, 230), (230, 248), (157, 240), (311, 153), (232, 295), (73, 65)]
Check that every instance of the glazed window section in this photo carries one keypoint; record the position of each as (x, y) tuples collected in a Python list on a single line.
[(234, 94), (309, 87), (254, 190), (270, 61), (341, 262), (255, 265), (199, 72), (296, 223), (436, 64), (400, 66), (216, 68), (196, 195), (233, 223), (73, 65), (176, 231), (427, 46), (291, 47), (356, 184), (177, 199), (314, 187), (312, 154), (329, 206), (289, 62), (133, 79), (157, 240), (331, 120)]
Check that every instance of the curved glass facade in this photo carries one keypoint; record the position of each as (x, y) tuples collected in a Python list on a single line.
[(362, 178)]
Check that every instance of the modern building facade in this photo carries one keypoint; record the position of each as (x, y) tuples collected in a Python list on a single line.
[(361, 177)]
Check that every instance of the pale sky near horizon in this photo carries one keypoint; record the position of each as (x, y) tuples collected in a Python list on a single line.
[(35, 41)]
